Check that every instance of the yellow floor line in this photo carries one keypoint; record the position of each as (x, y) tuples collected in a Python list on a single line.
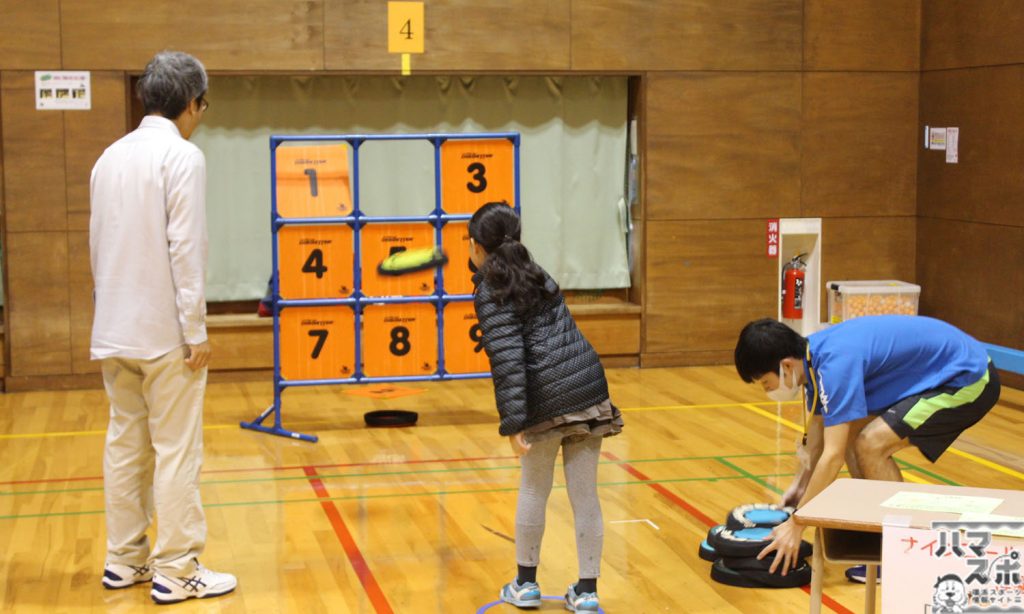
[(77, 433), (988, 463)]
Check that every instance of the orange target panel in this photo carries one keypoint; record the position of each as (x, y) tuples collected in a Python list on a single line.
[(314, 261), (399, 339), (313, 181), (317, 342), (378, 241), (463, 340), (458, 279), (475, 172)]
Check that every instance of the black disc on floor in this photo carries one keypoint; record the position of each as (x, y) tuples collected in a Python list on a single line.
[(741, 543), (706, 552), (752, 563), (754, 515), (793, 578)]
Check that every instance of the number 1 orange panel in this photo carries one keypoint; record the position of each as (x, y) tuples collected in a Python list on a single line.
[(463, 340), (314, 261), (378, 241), (313, 181), (475, 172), (317, 342), (399, 339)]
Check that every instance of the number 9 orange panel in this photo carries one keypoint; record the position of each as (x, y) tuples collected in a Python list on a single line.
[(399, 339), (475, 172), (314, 261), (463, 340), (313, 181), (317, 343)]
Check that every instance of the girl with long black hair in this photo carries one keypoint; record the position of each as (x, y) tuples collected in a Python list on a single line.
[(551, 394)]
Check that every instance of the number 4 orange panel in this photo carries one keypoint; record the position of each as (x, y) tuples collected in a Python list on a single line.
[(475, 172), (315, 261), (313, 181), (463, 340), (399, 339), (317, 343)]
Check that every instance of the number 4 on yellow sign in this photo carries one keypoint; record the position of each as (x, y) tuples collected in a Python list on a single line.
[(405, 27)]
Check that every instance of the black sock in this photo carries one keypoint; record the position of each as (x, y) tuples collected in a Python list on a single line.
[(586, 585), (526, 574)]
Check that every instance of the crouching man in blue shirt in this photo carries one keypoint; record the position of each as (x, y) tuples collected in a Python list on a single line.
[(872, 385)]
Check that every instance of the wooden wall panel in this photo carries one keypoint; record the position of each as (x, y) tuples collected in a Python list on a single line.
[(958, 33), (37, 273), (88, 133), (859, 143), (985, 185), (870, 35), (80, 302), (971, 275), (723, 146), (29, 34), (705, 280), (225, 35), (461, 35), (33, 144), (638, 35), (867, 248)]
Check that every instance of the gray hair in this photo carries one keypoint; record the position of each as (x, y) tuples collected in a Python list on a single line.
[(172, 80)]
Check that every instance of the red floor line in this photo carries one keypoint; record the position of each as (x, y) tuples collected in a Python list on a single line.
[(282, 468), (827, 601), (355, 557)]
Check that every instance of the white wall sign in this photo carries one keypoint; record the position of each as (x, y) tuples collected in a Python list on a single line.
[(937, 138), (63, 90), (952, 145)]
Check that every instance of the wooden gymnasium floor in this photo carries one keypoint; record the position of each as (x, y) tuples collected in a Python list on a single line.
[(418, 520)]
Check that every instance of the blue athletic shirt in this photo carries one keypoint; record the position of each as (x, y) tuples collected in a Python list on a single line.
[(865, 365)]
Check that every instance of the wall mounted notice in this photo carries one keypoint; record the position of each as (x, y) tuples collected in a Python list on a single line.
[(937, 138), (63, 90), (952, 145)]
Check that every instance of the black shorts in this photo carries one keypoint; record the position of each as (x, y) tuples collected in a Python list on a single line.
[(934, 419)]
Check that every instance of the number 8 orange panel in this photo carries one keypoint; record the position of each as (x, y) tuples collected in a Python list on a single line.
[(317, 343), (463, 340), (314, 261), (399, 339), (313, 181), (475, 172)]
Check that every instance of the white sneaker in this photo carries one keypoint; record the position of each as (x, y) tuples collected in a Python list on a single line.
[(199, 584), (116, 575)]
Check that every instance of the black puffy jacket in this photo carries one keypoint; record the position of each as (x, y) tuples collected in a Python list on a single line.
[(541, 364)]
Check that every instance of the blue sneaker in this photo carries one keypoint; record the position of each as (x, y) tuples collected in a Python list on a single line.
[(525, 595), (859, 574), (587, 602)]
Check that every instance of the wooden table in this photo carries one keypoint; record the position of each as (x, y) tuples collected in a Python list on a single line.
[(848, 518)]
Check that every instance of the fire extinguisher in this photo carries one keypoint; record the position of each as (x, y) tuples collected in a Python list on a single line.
[(793, 274)]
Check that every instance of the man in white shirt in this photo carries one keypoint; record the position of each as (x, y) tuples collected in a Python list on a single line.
[(147, 238)]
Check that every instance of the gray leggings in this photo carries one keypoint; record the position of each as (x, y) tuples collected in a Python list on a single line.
[(580, 460)]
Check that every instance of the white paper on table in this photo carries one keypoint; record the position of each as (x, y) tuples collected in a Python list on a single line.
[(953, 504)]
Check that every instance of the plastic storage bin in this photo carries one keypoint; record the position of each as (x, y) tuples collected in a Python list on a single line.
[(851, 299)]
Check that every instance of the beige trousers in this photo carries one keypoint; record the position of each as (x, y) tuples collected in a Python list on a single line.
[(153, 454)]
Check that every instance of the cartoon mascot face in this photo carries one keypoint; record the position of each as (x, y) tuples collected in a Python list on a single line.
[(950, 595)]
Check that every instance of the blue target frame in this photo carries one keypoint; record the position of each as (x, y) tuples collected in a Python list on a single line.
[(356, 220)]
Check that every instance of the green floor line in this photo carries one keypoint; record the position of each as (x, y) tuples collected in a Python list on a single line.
[(926, 472), (751, 476), (411, 494)]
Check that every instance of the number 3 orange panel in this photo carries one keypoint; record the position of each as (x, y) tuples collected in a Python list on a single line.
[(317, 343), (378, 241), (475, 172), (399, 339), (313, 181), (463, 340), (315, 261)]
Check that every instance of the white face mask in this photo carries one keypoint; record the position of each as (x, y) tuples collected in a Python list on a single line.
[(784, 392)]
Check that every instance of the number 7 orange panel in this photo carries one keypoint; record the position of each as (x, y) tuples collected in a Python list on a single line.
[(314, 261), (313, 181), (463, 340), (475, 172), (317, 343), (399, 339)]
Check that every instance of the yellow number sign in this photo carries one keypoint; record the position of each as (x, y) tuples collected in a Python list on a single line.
[(314, 261), (405, 27), (317, 343), (474, 172), (313, 181)]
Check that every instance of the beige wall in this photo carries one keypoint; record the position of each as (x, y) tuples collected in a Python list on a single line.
[(750, 109)]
